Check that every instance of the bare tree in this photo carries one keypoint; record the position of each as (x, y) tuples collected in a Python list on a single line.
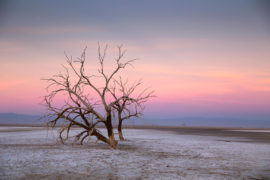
[(79, 108), (131, 103)]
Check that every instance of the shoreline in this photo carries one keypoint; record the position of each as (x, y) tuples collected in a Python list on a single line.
[(253, 135), (153, 127)]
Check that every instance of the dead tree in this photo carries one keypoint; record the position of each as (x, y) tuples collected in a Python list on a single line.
[(79, 108), (128, 102)]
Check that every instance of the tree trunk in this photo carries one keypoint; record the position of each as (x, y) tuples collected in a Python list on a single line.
[(120, 134), (112, 141), (101, 137)]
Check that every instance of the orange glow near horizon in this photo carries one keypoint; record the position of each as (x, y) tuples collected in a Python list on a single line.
[(171, 84)]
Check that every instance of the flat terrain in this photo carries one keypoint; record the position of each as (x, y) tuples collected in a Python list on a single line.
[(236, 135), (165, 153)]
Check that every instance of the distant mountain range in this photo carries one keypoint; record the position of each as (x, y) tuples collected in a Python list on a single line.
[(20, 119), (23, 119)]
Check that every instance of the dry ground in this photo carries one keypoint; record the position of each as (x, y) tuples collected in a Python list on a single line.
[(35, 153)]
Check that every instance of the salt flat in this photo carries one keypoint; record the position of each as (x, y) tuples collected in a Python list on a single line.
[(250, 130), (146, 154)]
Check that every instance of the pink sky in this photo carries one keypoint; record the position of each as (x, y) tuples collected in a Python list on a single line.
[(175, 80), (198, 65)]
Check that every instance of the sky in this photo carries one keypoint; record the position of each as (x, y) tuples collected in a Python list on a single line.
[(203, 58)]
